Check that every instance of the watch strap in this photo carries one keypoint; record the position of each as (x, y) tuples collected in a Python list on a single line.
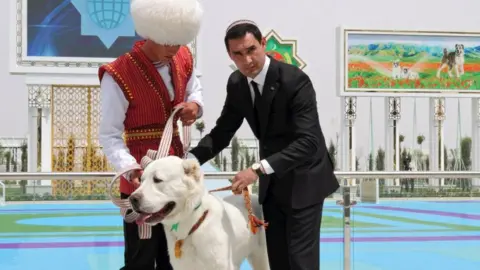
[(258, 171)]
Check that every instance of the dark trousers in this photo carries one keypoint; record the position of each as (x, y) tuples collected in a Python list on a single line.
[(145, 254), (293, 235)]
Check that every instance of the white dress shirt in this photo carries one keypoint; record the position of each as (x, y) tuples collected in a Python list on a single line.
[(260, 80), (114, 107)]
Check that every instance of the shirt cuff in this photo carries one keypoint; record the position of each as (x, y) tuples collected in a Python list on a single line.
[(268, 169), (191, 156)]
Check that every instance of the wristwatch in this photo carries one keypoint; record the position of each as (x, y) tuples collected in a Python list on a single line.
[(257, 168)]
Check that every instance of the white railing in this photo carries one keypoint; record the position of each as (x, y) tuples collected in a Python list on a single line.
[(346, 201), (226, 175)]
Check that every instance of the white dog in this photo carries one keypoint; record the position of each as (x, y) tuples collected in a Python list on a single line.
[(172, 192), (396, 70), (409, 74)]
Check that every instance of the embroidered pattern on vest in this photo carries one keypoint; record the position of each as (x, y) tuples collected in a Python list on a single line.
[(145, 90)]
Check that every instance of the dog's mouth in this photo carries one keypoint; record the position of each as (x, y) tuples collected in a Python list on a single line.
[(158, 216)]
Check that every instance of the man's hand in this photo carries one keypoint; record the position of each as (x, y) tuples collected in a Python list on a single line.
[(135, 178), (189, 113), (243, 179)]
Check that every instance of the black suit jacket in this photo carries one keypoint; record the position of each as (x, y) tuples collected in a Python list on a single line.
[(290, 136)]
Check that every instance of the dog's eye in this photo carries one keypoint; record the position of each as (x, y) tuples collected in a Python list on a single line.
[(157, 180)]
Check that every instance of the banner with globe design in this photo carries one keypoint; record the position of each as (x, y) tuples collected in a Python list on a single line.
[(79, 28)]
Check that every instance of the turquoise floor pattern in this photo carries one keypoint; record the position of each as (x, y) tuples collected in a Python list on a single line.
[(410, 235)]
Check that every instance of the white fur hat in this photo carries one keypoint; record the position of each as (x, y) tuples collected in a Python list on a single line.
[(167, 22)]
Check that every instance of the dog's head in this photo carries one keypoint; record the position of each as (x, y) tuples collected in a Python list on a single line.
[(459, 48), (171, 187), (396, 63)]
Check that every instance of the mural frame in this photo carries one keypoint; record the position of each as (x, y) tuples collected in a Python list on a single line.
[(342, 63), (20, 63)]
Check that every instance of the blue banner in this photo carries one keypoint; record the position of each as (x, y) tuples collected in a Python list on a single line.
[(79, 28)]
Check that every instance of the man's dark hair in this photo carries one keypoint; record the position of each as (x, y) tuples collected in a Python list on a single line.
[(240, 30)]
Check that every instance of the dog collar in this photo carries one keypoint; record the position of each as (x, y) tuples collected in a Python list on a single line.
[(175, 226), (198, 206), (179, 243)]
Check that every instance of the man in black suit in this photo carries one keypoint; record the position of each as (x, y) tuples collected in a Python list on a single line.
[(295, 173)]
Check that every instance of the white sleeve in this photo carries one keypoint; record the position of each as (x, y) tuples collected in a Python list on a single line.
[(266, 166), (114, 106), (195, 92)]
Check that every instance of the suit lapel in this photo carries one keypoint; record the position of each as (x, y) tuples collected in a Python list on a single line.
[(268, 93)]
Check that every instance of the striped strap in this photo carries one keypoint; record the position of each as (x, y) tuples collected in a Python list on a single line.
[(128, 214)]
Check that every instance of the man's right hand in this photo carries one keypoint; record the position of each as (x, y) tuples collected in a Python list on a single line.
[(188, 115)]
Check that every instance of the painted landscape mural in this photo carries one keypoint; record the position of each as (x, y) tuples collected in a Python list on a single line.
[(413, 62)]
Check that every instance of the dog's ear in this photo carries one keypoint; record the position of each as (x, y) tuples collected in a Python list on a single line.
[(192, 169)]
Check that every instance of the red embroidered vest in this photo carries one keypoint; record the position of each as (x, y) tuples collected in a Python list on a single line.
[(149, 102)]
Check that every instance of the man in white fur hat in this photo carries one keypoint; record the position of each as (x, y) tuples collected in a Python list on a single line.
[(139, 91)]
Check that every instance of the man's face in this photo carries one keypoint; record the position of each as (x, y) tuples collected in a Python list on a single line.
[(164, 52), (248, 54), (168, 52)]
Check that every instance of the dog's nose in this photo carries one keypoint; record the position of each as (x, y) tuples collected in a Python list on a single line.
[(135, 202)]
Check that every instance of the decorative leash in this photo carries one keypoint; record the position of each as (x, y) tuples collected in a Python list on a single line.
[(254, 221), (130, 216)]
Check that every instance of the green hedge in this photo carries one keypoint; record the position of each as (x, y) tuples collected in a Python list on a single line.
[(50, 197), (430, 193)]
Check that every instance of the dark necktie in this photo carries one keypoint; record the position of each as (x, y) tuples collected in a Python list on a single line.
[(257, 106)]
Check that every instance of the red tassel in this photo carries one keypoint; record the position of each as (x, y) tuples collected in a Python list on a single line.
[(253, 221)]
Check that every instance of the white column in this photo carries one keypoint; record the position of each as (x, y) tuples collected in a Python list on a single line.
[(388, 141), (433, 141), (342, 151), (32, 142), (46, 143), (352, 152), (396, 137), (397, 145), (475, 138), (392, 138), (436, 142), (39, 104), (347, 142), (441, 144), (433, 138)]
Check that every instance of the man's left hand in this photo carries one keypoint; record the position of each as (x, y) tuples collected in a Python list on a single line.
[(243, 179), (189, 113)]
